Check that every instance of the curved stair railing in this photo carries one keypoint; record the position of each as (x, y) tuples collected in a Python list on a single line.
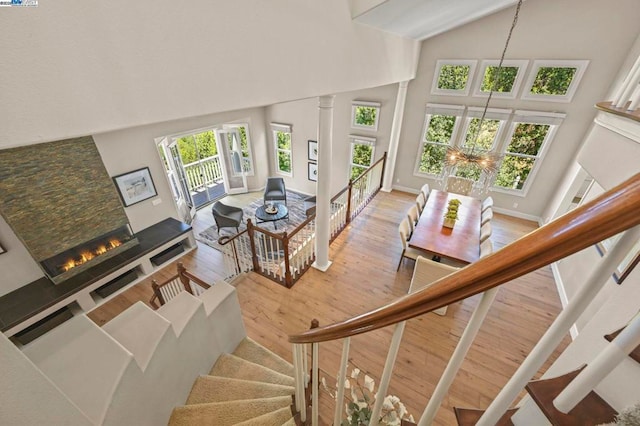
[(613, 212)]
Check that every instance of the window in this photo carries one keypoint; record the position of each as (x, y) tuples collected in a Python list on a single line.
[(441, 124), (245, 146), (481, 139), (554, 81), (365, 115), (453, 77), (505, 83), (528, 136), (282, 143), (362, 151)]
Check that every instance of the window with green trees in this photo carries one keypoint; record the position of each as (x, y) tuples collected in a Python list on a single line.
[(453, 77), (554, 80), (365, 115), (283, 151), (245, 146), (361, 157), (437, 137), (197, 147), (521, 154)]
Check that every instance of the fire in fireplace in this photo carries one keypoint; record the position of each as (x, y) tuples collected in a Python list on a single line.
[(77, 259)]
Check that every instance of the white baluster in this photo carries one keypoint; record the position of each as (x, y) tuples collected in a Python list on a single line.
[(302, 374), (386, 374), (466, 340), (342, 376), (629, 83), (559, 328), (314, 381), (297, 368), (635, 99), (600, 367)]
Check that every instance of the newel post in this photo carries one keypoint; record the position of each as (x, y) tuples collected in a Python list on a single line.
[(288, 279), (183, 279), (254, 255), (384, 166), (349, 189)]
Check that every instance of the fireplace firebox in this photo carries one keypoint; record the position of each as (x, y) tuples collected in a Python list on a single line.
[(70, 262)]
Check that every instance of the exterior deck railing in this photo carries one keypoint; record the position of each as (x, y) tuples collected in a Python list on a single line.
[(203, 173)]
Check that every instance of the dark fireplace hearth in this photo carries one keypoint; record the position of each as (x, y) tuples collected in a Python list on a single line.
[(70, 262)]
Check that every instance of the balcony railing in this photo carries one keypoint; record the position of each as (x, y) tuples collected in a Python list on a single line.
[(203, 173)]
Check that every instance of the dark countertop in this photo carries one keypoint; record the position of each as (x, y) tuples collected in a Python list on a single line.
[(35, 297)]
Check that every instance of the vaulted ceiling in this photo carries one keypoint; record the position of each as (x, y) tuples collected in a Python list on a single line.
[(421, 19)]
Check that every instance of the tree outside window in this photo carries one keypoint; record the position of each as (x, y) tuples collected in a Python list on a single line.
[(365, 115), (482, 140), (553, 80), (361, 158), (521, 155), (245, 147), (502, 81), (436, 140), (283, 151), (197, 147), (453, 77)]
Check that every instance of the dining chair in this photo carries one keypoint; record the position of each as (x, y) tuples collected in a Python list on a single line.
[(425, 273), (425, 191), (485, 231), (408, 252), (486, 248), (459, 185), (486, 216), (486, 203), (420, 202), (413, 216)]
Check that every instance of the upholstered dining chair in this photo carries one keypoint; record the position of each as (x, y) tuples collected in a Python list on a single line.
[(275, 190), (420, 202), (459, 185), (486, 203), (486, 216), (226, 216), (425, 190), (408, 252), (425, 273), (485, 231), (413, 216)]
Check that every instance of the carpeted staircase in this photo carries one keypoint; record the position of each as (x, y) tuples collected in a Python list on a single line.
[(252, 386)]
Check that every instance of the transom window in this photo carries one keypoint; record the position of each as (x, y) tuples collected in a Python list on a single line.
[(505, 80), (453, 77), (554, 81), (283, 145), (365, 115), (362, 152)]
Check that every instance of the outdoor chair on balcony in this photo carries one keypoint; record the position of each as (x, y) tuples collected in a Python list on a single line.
[(226, 216), (275, 190)]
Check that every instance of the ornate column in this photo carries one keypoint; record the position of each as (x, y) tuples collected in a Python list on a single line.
[(394, 138), (323, 185)]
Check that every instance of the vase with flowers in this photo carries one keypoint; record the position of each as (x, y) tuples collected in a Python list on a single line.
[(360, 390), (451, 215)]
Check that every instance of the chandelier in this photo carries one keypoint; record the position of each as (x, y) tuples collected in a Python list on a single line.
[(487, 162)]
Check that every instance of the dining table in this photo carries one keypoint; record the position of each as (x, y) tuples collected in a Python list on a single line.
[(460, 243)]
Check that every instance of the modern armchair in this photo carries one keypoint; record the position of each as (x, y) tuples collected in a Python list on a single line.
[(226, 216), (275, 190)]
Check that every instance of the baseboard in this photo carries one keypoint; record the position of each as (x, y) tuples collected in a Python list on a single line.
[(405, 189), (563, 296), (519, 215)]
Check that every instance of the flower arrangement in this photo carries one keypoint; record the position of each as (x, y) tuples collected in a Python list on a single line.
[(362, 399), (451, 215)]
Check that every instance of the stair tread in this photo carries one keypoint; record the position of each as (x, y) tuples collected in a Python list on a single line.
[(220, 389), (274, 418), (235, 367), (252, 351), (592, 410), (226, 413), (470, 416)]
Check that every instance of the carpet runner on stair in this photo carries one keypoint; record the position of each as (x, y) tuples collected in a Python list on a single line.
[(252, 386)]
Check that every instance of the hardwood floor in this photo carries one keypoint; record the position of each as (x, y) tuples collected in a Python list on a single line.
[(362, 277)]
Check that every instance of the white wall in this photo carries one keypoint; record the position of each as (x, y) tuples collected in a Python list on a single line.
[(73, 69), (303, 116), (546, 29)]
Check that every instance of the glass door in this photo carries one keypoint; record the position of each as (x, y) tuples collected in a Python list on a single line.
[(170, 156), (235, 178)]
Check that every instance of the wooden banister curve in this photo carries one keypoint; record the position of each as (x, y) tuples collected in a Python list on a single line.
[(613, 212)]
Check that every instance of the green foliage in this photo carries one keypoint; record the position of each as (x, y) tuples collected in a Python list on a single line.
[(203, 144), (453, 77), (284, 140), (432, 159), (470, 171), (528, 138), (503, 80), (283, 143), (284, 161), (362, 158), (514, 171), (487, 134), (553, 80), (366, 116), (440, 128)]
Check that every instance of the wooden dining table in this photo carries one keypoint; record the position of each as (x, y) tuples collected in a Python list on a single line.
[(460, 243)]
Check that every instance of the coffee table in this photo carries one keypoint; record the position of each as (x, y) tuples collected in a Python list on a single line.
[(263, 216)]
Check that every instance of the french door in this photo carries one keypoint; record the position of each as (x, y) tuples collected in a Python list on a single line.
[(235, 178)]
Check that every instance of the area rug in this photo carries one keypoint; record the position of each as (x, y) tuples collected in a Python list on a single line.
[(295, 204)]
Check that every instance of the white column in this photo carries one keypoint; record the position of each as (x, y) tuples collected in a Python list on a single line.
[(323, 185), (559, 328), (394, 138)]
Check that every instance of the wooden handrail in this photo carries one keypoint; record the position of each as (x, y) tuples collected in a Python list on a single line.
[(614, 211)]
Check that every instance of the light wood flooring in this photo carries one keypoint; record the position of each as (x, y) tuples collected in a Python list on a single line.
[(362, 277)]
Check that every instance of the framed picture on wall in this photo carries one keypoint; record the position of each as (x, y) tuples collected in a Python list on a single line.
[(135, 186), (313, 171), (313, 150)]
